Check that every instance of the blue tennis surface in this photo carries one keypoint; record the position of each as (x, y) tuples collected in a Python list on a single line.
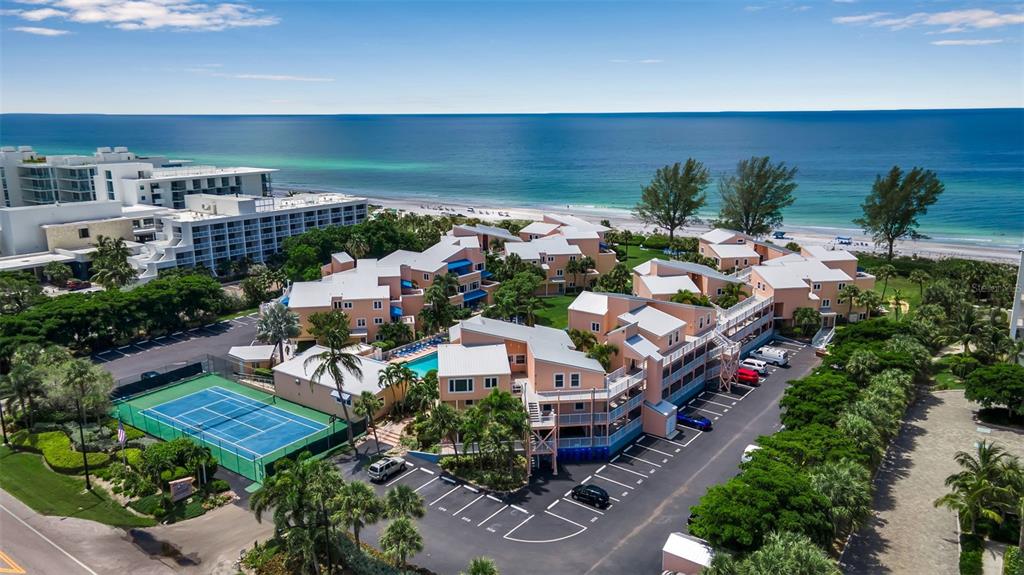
[(248, 427)]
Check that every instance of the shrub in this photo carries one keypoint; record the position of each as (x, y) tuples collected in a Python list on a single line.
[(55, 446), (1013, 562), (133, 455), (263, 372), (218, 486), (159, 511), (132, 432), (971, 562)]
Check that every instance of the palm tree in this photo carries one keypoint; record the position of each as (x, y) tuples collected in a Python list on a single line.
[(573, 268), (403, 501), (58, 273), (276, 324), (356, 246), (732, 293), (582, 340), (481, 566), (897, 302), (356, 506), (423, 393), (603, 353), (849, 293), (26, 380), (920, 277), (400, 540), (690, 298), (869, 300), (847, 486), (331, 330), (587, 263), (965, 325), (806, 319), (366, 406), (84, 384), (388, 378), (446, 422), (884, 272), (110, 267), (862, 364), (978, 490), (782, 552)]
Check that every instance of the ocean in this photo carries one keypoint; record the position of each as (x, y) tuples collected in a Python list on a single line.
[(593, 161)]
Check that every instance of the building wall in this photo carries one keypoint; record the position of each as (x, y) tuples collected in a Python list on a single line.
[(458, 399), (69, 236), (21, 231), (318, 397)]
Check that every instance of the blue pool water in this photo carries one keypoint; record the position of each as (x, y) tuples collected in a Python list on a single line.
[(421, 365)]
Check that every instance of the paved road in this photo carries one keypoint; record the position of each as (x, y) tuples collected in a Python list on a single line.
[(128, 362), (655, 482), (41, 545)]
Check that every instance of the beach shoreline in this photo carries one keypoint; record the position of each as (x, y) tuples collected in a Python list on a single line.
[(620, 219)]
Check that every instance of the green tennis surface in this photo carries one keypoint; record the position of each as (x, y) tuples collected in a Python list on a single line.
[(245, 429)]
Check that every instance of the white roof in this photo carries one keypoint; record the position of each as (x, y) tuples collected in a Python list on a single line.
[(590, 302), (352, 385), (546, 344), (659, 285), (553, 246), (454, 360), (733, 251), (575, 233), (653, 321), (568, 220), (341, 257), (539, 228), (433, 258), (252, 352), (683, 267), (644, 347), (361, 282), (493, 231), (689, 548), (826, 255), (719, 235), (796, 272)]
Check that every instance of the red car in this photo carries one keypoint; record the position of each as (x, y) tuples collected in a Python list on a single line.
[(748, 377), (77, 284)]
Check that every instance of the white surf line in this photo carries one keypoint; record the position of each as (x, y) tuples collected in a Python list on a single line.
[(453, 490), (629, 470), (587, 507), (642, 446), (393, 481), (467, 505), (613, 481), (47, 539), (491, 515), (641, 459), (517, 526), (424, 485)]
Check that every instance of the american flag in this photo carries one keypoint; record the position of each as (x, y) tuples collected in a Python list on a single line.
[(122, 437)]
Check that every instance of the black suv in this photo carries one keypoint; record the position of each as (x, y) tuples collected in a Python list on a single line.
[(590, 494)]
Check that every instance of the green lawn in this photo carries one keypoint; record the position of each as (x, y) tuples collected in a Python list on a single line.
[(911, 291), (636, 255), (555, 312), (24, 476), (237, 314), (946, 380)]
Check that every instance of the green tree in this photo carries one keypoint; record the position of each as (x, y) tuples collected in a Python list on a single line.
[(481, 566), (979, 489), (847, 486), (965, 325), (57, 272), (895, 203), (753, 198), (691, 298), (807, 320), (19, 291), (581, 339), (276, 324), (366, 406), (438, 312), (920, 277), (674, 195), (732, 293), (862, 364), (331, 331), (87, 387), (403, 501), (423, 393), (31, 365), (817, 398), (884, 272), (446, 421), (897, 302), (357, 246), (782, 552), (356, 506), (397, 332), (849, 294), (869, 300), (618, 280), (110, 267), (603, 353), (999, 384), (401, 540), (390, 378)]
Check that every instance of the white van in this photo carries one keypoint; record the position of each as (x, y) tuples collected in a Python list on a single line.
[(772, 355), (755, 365)]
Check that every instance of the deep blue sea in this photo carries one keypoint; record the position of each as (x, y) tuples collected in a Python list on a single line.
[(593, 161)]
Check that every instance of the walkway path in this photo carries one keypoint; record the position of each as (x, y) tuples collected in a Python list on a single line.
[(907, 533)]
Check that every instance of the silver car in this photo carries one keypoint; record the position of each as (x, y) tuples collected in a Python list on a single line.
[(385, 468)]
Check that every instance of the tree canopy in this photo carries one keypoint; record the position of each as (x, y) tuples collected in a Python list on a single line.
[(895, 203), (754, 196), (674, 195), (997, 385)]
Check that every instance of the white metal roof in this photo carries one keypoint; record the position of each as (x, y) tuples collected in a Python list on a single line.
[(733, 251), (662, 285), (569, 220), (653, 321), (546, 344), (690, 548), (826, 255), (539, 228), (719, 235), (683, 267), (252, 352), (455, 360), (796, 271), (590, 302), (361, 282), (644, 347), (297, 368), (533, 250)]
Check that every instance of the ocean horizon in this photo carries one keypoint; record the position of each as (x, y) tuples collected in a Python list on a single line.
[(595, 161)]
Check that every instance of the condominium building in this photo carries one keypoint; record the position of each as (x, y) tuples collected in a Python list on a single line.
[(374, 292), (734, 250), (1017, 309), (661, 279), (213, 230), (135, 183)]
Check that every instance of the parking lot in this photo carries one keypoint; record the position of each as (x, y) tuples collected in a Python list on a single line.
[(652, 484)]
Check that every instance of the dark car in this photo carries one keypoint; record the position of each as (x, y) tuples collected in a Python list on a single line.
[(77, 284), (591, 495), (701, 423), (149, 374)]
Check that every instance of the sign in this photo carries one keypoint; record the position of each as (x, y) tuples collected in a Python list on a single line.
[(181, 488)]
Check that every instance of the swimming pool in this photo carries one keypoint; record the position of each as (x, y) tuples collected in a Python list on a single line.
[(421, 365)]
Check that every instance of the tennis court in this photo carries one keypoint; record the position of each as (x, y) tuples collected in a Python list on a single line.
[(246, 429)]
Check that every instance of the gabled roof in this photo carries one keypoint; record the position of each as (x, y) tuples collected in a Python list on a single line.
[(826, 255), (361, 282), (668, 285), (546, 344), (297, 368), (643, 347), (435, 257), (454, 360), (719, 235), (553, 246), (733, 251), (539, 228), (590, 302), (575, 233), (794, 271), (252, 352), (492, 231), (568, 220), (653, 321), (685, 267), (341, 257)]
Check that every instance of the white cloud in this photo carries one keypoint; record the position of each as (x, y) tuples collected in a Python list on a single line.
[(965, 42), (951, 21), (185, 15), (39, 31), (208, 70)]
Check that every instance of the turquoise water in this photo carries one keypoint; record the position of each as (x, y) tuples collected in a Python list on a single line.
[(421, 365), (597, 161)]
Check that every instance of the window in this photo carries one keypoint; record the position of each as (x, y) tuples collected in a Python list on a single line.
[(337, 305), (719, 292), (816, 287), (479, 267), (83, 233), (460, 386), (841, 285), (520, 359), (551, 258), (490, 382), (426, 277), (595, 326), (559, 272), (378, 320), (107, 174), (701, 322), (378, 305), (467, 402), (346, 398), (361, 322), (572, 258), (578, 406), (740, 240), (745, 262), (574, 380), (348, 305), (826, 303), (559, 380)]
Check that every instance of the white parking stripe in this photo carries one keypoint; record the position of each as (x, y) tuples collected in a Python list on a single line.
[(524, 522), (642, 446), (413, 470), (493, 498), (491, 515), (519, 509), (629, 470), (706, 411), (727, 407), (467, 505), (425, 470), (732, 398), (454, 489), (587, 507), (613, 481), (553, 503), (425, 484), (601, 469), (641, 459)]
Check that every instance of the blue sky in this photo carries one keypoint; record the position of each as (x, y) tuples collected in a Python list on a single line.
[(328, 57)]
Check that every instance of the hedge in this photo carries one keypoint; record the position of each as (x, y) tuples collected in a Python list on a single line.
[(971, 551), (131, 432), (55, 446), (1013, 561)]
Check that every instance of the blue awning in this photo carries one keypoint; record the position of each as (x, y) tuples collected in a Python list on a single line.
[(486, 274), (396, 311), (459, 264), (407, 283), (474, 295)]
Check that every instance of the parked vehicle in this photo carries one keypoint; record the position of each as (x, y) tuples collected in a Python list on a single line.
[(754, 365), (779, 235), (698, 422), (77, 284), (385, 468), (748, 452), (772, 355), (591, 495), (149, 374), (748, 377)]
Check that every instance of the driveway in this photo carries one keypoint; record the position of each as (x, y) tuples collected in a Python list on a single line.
[(907, 533), (653, 483)]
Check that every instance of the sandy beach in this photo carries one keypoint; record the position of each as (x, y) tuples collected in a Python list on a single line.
[(801, 235)]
